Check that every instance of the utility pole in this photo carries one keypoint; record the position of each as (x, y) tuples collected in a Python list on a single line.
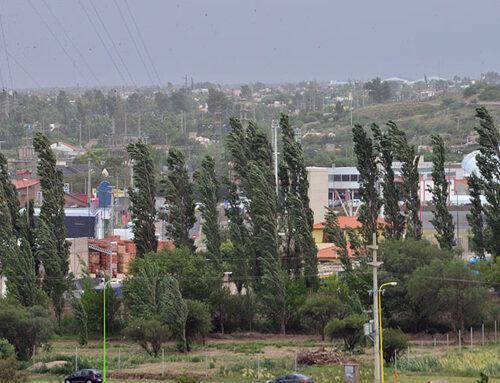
[(139, 125), (376, 340), (89, 185), (80, 124), (274, 126)]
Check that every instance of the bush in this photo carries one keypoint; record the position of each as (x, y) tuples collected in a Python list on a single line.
[(184, 378), (8, 364), (6, 349), (394, 340), (350, 329), (25, 327), (69, 325), (150, 334)]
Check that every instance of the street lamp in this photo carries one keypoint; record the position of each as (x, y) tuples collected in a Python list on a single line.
[(380, 328), (104, 331)]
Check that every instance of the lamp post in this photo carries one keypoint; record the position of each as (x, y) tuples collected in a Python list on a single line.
[(104, 332), (380, 328)]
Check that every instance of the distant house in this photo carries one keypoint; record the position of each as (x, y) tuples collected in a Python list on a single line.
[(344, 223), (28, 189), (65, 150)]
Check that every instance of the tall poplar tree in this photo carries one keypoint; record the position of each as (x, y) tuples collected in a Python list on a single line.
[(395, 220), (407, 155), (488, 163), (208, 185), (442, 221), (475, 217), (294, 199), (179, 200), (142, 198), (10, 194), (53, 249), (368, 175)]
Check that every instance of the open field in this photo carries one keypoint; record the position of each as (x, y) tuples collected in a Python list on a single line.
[(236, 358)]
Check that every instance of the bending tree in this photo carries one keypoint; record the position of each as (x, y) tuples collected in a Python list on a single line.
[(207, 187), (179, 200), (368, 175), (442, 221), (395, 221), (475, 217), (142, 198), (53, 249), (409, 173)]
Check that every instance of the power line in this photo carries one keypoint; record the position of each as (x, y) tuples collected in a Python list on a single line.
[(134, 42), (143, 43), (54, 36), (103, 43), (24, 70), (89, 68), (112, 42), (6, 54)]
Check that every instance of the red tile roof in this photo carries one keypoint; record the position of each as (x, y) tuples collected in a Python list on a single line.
[(330, 252), (346, 221), (22, 184)]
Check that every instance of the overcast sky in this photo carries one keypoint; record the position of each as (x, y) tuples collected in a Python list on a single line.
[(53, 43)]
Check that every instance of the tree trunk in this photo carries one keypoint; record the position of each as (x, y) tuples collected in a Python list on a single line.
[(221, 313)]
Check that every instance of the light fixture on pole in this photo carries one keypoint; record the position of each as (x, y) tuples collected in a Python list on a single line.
[(380, 328)]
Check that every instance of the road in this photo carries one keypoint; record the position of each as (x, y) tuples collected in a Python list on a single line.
[(463, 225)]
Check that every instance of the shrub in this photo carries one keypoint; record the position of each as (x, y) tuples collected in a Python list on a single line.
[(350, 329), (150, 334), (184, 378), (394, 340)]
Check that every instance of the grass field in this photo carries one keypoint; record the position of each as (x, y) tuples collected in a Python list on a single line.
[(236, 358)]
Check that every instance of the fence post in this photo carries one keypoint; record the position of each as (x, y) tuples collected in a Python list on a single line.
[(258, 368), (162, 362), (496, 338), (76, 359), (408, 354), (459, 341), (434, 346), (295, 361), (206, 364), (34, 356), (396, 361), (422, 349), (482, 335), (471, 343), (119, 359), (447, 346)]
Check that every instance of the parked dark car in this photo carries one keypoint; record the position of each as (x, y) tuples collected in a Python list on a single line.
[(84, 376), (292, 378)]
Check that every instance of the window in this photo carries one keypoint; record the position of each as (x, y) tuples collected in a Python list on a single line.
[(345, 177), (336, 177), (330, 177), (354, 177)]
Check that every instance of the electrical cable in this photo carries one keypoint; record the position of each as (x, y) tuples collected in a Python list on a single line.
[(143, 43), (103, 43), (6, 54), (24, 70), (85, 62), (54, 36), (113, 43), (134, 42)]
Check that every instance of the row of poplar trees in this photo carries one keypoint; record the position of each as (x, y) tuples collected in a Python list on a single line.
[(270, 227), (35, 260)]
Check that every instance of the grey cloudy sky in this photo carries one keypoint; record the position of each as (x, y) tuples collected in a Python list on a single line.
[(53, 42)]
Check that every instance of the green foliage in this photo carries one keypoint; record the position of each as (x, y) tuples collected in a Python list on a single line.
[(150, 334), (142, 198), (184, 378), (378, 90), (488, 163), (9, 372), (6, 349), (442, 221), (367, 165), (475, 217), (25, 327), (350, 329), (179, 200), (407, 154), (81, 318), (320, 308), (53, 248), (395, 221), (483, 378), (199, 321), (455, 293), (394, 341), (208, 185)]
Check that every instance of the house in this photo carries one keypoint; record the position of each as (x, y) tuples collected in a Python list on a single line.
[(65, 150), (28, 190), (344, 223)]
